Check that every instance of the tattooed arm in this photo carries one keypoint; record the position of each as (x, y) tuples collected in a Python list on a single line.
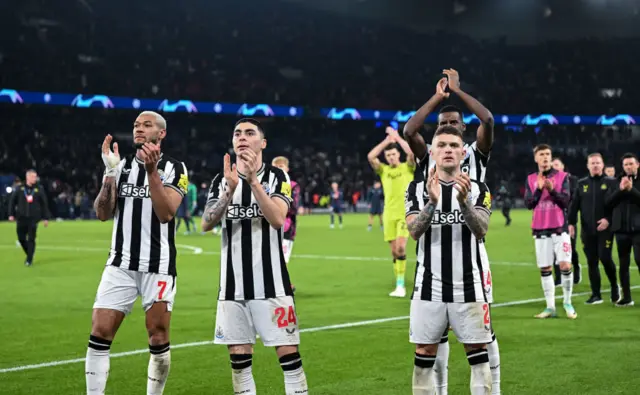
[(105, 203), (476, 218), (215, 209), (417, 224)]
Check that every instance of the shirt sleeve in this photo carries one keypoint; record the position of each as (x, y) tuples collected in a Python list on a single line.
[(177, 178), (282, 187), (12, 202), (412, 199), (483, 200), (215, 189), (484, 158)]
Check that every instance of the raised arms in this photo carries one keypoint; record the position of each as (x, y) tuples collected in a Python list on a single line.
[(105, 203), (220, 195), (414, 124), (484, 135)]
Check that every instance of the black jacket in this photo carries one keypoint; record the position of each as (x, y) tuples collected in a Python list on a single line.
[(589, 198), (29, 203), (625, 206)]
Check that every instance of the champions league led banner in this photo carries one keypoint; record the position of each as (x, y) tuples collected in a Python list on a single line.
[(518, 119), (162, 105), (267, 110)]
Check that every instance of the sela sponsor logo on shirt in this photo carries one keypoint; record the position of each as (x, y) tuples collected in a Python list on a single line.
[(130, 190), (238, 212), (453, 217)]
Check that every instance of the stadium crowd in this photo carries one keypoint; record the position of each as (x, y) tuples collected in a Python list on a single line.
[(63, 145), (299, 56), (301, 59)]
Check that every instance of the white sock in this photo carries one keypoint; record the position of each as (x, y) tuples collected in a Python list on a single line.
[(295, 381), (242, 375), (549, 289), (158, 370), (480, 372), (441, 369), (423, 380), (96, 366), (567, 285), (494, 364)]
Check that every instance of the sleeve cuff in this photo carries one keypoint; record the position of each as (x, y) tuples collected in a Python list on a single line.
[(483, 208), (175, 188), (288, 201), (412, 212)]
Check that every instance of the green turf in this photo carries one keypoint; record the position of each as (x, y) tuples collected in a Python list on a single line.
[(46, 311)]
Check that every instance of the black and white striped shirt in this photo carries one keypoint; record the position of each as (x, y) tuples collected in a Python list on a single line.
[(474, 163), (252, 264), (451, 260), (139, 241)]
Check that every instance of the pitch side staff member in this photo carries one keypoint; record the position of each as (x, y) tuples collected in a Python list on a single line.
[(624, 199), (597, 238), (28, 205)]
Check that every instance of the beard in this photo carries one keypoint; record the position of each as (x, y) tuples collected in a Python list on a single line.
[(138, 146)]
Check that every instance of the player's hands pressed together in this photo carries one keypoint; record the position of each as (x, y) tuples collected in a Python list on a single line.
[(111, 159), (392, 134), (463, 186), (230, 173), (441, 88), (433, 186), (453, 79), (249, 160), (625, 184), (603, 224), (548, 185), (150, 155)]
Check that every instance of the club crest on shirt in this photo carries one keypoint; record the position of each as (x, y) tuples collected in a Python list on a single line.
[(161, 174), (265, 186)]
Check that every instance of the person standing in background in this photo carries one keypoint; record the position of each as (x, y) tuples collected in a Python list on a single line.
[(192, 204), (375, 204), (624, 200), (337, 202), (504, 196), (597, 239), (27, 206)]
